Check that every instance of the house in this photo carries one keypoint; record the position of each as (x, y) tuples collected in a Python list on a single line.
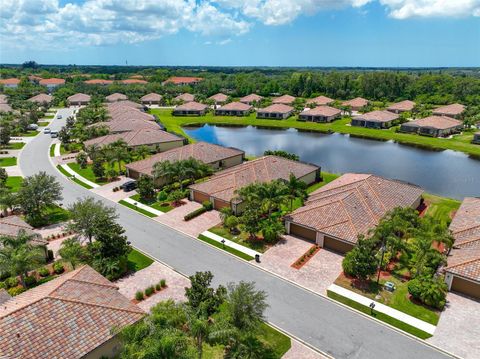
[(221, 188), (435, 126), (219, 98), (476, 138), (356, 104), (79, 99), (41, 99), (276, 112), (218, 157), (11, 226), (320, 101), (320, 114), (71, 316), (124, 103), (454, 110), (5, 107), (234, 109), (462, 273), (127, 113), (402, 106), (375, 119), (336, 214), (133, 82), (251, 99), (114, 97), (133, 124), (51, 83), (151, 99), (184, 97), (190, 109), (156, 139), (11, 83), (101, 82), (284, 100), (182, 80)]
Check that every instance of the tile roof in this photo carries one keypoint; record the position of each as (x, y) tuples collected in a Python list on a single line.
[(251, 98), (235, 106), (113, 105), (191, 106), (353, 204), (52, 81), (406, 105), (322, 111), (11, 81), (98, 82), (116, 97), (465, 226), (356, 102), (276, 108), (378, 116), (320, 100), (437, 122), (285, 99), (449, 110), (41, 98), (128, 113), (133, 81), (202, 151), (79, 97), (219, 97), (12, 225), (465, 262), (4, 296), (67, 317), (177, 80), (185, 97), (135, 138), (126, 125), (151, 97), (223, 184)]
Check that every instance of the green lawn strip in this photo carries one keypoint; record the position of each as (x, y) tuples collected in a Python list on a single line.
[(327, 177), (142, 211), (441, 208), (380, 316), (225, 248), (154, 204), (52, 150), (29, 133), (8, 161), (62, 150), (43, 123), (279, 342), (461, 143), (48, 116), (138, 261), (86, 173), (13, 146), (14, 183), (76, 180), (52, 215), (241, 238)]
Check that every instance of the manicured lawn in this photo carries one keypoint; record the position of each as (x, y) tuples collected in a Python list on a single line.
[(327, 177), (142, 211), (380, 316), (54, 214), (49, 116), (52, 150), (164, 206), (14, 183), (29, 133), (8, 161), (138, 261), (86, 173), (441, 208), (76, 180), (459, 143), (278, 341), (43, 123), (225, 248), (242, 238), (13, 146)]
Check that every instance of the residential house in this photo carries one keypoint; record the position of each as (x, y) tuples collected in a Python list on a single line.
[(51, 83), (190, 109), (133, 82), (356, 104), (284, 100), (151, 99), (34, 79), (101, 82), (375, 119), (336, 214), (79, 99), (462, 273), (320, 101), (11, 226), (11, 83), (124, 103), (435, 126), (218, 157), (454, 110), (221, 188), (219, 98), (275, 112), (41, 99), (71, 316), (476, 138), (234, 109), (114, 97), (251, 99), (402, 106), (184, 97), (133, 124), (182, 80), (320, 114)]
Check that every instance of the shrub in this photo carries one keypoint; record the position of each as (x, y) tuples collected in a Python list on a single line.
[(58, 267), (2, 285), (207, 205), (195, 213), (149, 291), (176, 196), (44, 272), (4, 275), (30, 281), (430, 291), (162, 196), (139, 296), (11, 282), (16, 291), (158, 287), (415, 288), (163, 283)]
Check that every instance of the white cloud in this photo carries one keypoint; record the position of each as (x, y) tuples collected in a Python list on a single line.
[(403, 9)]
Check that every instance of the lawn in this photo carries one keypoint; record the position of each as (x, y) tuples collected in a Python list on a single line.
[(441, 208), (86, 173), (138, 261), (52, 150), (242, 238), (327, 177), (43, 123), (163, 206), (54, 214), (225, 248), (8, 161), (457, 143), (139, 210), (14, 183), (13, 146), (29, 133), (76, 180)]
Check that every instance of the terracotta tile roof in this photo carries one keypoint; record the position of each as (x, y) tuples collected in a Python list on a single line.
[(206, 152), (98, 82), (5, 107), (321, 100), (277, 108), (151, 97), (41, 98), (322, 111), (140, 77), (356, 102), (191, 106), (116, 97), (52, 81), (136, 138), (465, 262), (449, 110), (79, 97), (219, 97), (223, 184), (128, 113), (67, 317), (122, 103), (178, 80), (353, 204), (127, 125), (133, 81), (34, 78), (4, 296), (185, 97), (12, 225), (378, 116), (3, 99), (465, 225), (285, 99), (437, 122), (11, 81), (251, 98), (236, 106), (406, 105)]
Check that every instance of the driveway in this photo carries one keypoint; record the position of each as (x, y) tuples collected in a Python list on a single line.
[(107, 190), (317, 274), (456, 330)]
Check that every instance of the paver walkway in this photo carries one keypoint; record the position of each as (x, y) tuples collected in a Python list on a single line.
[(300, 351)]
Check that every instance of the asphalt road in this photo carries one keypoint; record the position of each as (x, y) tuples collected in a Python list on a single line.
[(318, 321)]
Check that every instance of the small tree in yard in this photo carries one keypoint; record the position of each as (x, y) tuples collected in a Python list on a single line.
[(64, 136), (4, 134), (429, 290), (201, 296), (250, 220), (72, 251), (271, 229), (146, 188), (231, 223), (176, 197), (3, 177), (98, 168), (360, 261), (82, 159)]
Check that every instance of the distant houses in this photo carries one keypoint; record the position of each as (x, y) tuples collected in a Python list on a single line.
[(251, 99), (151, 99), (79, 99), (375, 119), (218, 99), (41, 99), (454, 110), (356, 104), (184, 97), (320, 114), (234, 109), (11, 83), (100, 82), (275, 112), (114, 97), (400, 107), (51, 83), (190, 109), (320, 101), (283, 100), (182, 80), (435, 126)]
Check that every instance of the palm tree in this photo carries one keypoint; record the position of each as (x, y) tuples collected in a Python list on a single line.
[(166, 170), (142, 152), (296, 188), (7, 200), (272, 195)]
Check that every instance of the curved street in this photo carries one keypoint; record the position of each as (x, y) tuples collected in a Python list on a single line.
[(316, 320)]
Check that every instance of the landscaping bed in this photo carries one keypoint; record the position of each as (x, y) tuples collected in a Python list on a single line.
[(300, 262), (163, 206), (242, 238)]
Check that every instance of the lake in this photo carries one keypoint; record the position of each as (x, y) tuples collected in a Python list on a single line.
[(446, 173)]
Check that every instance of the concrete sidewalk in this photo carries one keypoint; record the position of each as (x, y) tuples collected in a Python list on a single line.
[(144, 206), (80, 178), (231, 244)]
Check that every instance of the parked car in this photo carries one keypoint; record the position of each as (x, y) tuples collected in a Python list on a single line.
[(46, 130), (59, 116), (129, 186), (53, 134), (32, 126)]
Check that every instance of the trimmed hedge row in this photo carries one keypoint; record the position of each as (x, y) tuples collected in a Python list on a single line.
[(206, 206)]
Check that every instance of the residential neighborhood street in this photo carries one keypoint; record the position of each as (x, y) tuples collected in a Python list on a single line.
[(316, 320)]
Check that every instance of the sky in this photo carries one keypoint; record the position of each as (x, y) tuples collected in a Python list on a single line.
[(363, 33)]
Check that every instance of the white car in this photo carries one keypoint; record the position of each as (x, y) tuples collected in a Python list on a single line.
[(46, 130)]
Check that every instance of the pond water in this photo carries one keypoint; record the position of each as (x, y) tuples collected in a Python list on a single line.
[(446, 173)]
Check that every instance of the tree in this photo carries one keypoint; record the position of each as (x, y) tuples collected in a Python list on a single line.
[(7, 200), (429, 290), (296, 188), (3, 177), (271, 229), (176, 197), (250, 221), (142, 152), (64, 136), (82, 159), (72, 251), (360, 261), (37, 193), (166, 170), (5, 133), (145, 187), (201, 296), (98, 168)]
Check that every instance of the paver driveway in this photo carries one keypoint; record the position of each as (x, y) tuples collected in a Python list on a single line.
[(317, 274), (106, 190)]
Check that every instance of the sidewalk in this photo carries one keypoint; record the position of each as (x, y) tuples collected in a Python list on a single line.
[(379, 307), (143, 206), (80, 178), (231, 244)]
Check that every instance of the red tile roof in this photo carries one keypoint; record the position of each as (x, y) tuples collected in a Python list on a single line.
[(353, 204), (191, 106), (326, 111), (140, 137), (437, 122), (178, 80), (52, 81), (465, 262), (465, 225), (277, 108), (67, 317), (126, 125), (321, 100), (151, 97), (133, 81), (116, 97), (219, 97), (41, 98), (285, 99), (11, 81), (79, 97), (406, 105), (185, 97), (236, 106), (449, 110), (356, 102), (251, 98), (123, 103), (378, 116), (12, 225), (98, 82)]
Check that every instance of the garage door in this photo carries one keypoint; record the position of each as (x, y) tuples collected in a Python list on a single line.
[(303, 232), (336, 245), (466, 287), (219, 204), (200, 197)]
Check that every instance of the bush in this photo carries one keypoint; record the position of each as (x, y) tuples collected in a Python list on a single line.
[(139, 296), (158, 287), (44, 272), (195, 213), (50, 255), (58, 267), (16, 291), (4, 275), (30, 281), (11, 282), (429, 290), (207, 205), (163, 283), (149, 291), (415, 288), (162, 196), (176, 196), (2, 285)]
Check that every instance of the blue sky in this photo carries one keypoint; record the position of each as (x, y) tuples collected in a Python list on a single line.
[(242, 32)]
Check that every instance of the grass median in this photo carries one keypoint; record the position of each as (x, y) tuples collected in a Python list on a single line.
[(135, 208), (225, 248)]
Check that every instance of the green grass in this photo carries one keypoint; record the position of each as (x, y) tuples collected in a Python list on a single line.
[(13, 146), (225, 248), (457, 143), (76, 180), (52, 150), (14, 183), (43, 123), (54, 214), (441, 208), (154, 204), (86, 173), (31, 133), (327, 177), (8, 161), (380, 316), (142, 211), (138, 261), (48, 116), (242, 238)]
